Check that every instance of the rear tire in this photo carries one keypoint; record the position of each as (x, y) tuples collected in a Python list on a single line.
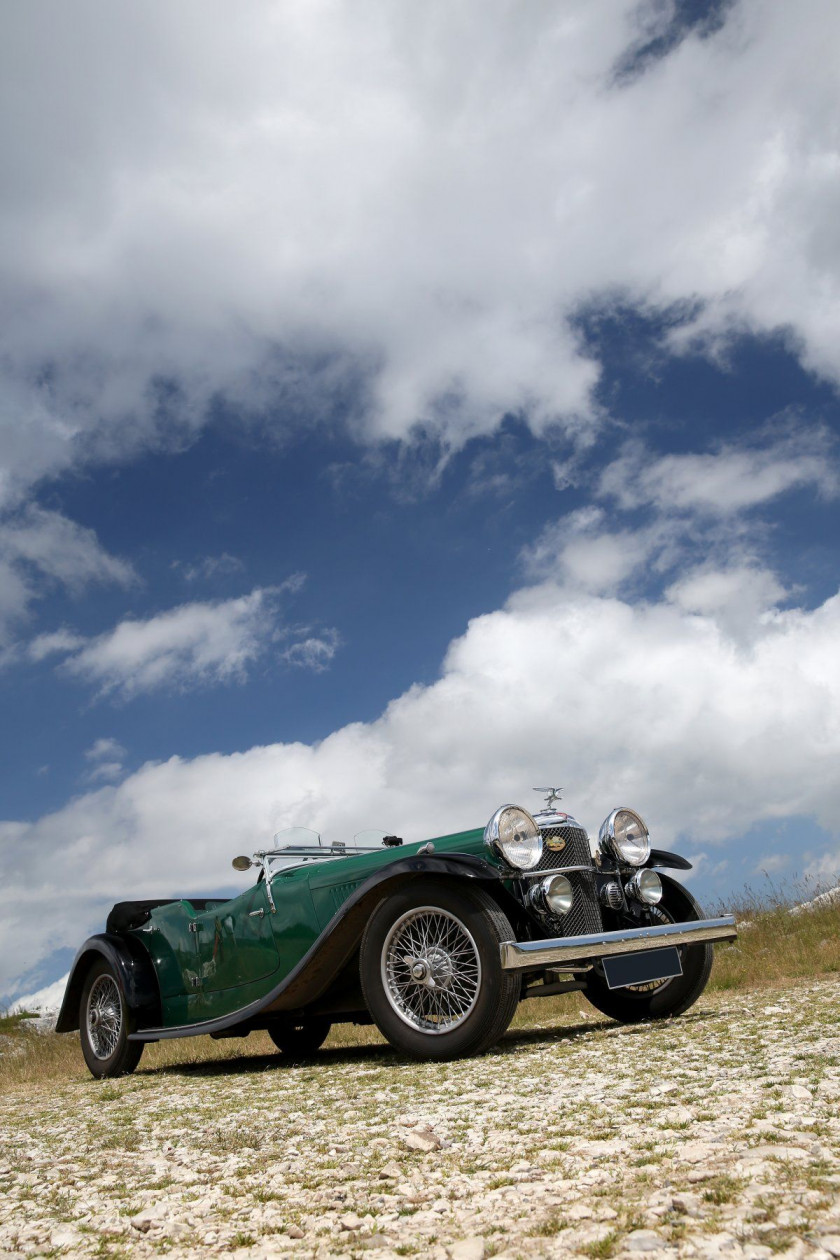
[(669, 997), (431, 972), (300, 1039), (104, 1024)]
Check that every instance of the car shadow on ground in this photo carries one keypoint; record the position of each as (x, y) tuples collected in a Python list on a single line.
[(370, 1056)]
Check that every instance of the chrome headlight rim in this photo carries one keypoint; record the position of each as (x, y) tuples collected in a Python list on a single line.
[(611, 844), (494, 840)]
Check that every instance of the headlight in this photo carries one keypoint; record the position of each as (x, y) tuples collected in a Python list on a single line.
[(513, 834), (625, 835), (645, 886)]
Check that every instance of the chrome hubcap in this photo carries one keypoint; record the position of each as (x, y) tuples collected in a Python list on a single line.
[(431, 971), (104, 1016)]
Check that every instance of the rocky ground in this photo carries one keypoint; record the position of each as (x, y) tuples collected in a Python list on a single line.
[(715, 1135)]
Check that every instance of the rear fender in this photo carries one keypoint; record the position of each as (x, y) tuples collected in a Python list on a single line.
[(134, 968)]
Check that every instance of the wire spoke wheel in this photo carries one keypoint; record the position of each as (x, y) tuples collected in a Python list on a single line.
[(106, 1021), (431, 970), (104, 1016)]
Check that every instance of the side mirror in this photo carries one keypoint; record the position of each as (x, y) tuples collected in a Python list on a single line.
[(242, 864)]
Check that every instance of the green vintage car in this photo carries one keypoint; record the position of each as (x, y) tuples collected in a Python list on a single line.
[(436, 943)]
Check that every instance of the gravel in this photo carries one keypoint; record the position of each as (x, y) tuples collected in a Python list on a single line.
[(715, 1135)]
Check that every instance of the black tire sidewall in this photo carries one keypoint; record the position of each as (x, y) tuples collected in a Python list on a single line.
[(127, 1054), (499, 990), (299, 1040), (680, 993)]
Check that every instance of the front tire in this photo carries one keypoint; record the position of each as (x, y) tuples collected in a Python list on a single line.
[(668, 997), (431, 972), (104, 1024)]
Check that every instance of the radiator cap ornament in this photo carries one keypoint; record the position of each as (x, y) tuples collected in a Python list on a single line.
[(553, 794)]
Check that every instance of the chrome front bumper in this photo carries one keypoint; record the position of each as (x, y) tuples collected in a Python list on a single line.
[(531, 955)]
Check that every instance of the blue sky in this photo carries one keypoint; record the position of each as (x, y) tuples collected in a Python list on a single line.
[(403, 409)]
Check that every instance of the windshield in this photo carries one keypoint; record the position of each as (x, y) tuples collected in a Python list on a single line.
[(296, 846), (296, 836), (369, 839)]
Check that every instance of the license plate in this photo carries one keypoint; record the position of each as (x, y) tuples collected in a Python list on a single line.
[(642, 968)]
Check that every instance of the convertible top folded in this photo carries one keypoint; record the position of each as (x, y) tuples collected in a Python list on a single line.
[(133, 914)]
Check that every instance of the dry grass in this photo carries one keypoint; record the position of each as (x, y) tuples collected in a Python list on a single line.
[(775, 948)]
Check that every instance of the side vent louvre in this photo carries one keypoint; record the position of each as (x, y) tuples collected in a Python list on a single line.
[(341, 892)]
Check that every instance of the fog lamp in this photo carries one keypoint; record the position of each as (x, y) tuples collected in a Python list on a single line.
[(558, 894), (552, 895), (645, 886)]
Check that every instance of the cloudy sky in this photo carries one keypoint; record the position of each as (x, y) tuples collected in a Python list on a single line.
[(403, 405)]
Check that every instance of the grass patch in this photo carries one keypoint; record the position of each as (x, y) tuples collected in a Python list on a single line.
[(602, 1248), (120, 1139), (723, 1189), (11, 1024), (778, 1239), (775, 946), (547, 1228)]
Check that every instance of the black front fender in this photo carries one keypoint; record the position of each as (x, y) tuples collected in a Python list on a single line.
[(134, 968), (462, 865), (661, 857), (681, 900)]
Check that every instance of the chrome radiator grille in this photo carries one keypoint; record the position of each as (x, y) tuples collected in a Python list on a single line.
[(585, 914)]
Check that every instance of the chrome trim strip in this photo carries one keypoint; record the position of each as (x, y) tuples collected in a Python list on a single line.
[(549, 819), (522, 955), (555, 870)]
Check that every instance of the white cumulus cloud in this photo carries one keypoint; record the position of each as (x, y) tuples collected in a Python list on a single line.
[(687, 520), (106, 757), (195, 644), (727, 481), (314, 651), (38, 549)]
